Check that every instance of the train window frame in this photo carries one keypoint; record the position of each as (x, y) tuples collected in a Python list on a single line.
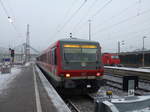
[(81, 50)]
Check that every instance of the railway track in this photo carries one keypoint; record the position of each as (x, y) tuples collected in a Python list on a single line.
[(81, 103), (122, 71), (116, 82), (86, 103), (72, 106)]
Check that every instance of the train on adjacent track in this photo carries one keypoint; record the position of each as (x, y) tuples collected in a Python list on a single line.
[(73, 64), (111, 59)]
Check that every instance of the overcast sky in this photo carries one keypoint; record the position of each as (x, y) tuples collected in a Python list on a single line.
[(50, 20)]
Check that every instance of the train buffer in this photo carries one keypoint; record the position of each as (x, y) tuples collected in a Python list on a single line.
[(27, 90)]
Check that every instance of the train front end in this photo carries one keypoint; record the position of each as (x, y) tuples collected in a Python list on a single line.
[(81, 67)]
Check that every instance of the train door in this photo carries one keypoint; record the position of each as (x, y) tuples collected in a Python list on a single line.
[(54, 61)]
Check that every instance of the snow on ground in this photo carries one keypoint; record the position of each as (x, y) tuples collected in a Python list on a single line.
[(131, 69), (28, 63), (6, 79)]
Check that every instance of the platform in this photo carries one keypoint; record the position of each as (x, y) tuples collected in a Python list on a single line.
[(29, 91), (145, 70)]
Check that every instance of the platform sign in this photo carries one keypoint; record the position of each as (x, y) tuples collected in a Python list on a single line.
[(6, 59)]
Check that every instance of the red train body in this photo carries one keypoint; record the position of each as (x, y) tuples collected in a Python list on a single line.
[(73, 63), (110, 59)]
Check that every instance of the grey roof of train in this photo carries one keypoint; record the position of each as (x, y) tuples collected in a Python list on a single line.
[(76, 40)]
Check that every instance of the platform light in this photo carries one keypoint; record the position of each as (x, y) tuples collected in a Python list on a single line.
[(67, 75)]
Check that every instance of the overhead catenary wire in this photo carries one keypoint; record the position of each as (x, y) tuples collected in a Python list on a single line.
[(138, 10), (120, 22), (10, 9), (134, 34), (9, 18), (131, 33), (71, 17), (5, 10), (98, 11), (118, 14), (85, 15), (66, 14)]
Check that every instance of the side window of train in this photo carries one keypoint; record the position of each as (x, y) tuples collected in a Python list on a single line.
[(54, 59), (49, 57)]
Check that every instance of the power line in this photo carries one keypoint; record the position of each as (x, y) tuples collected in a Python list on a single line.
[(9, 18), (86, 14), (138, 10), (71, 17), (97, 12), (130, 34), (120, 22), (107, 3), (136, 33), (3, 6), (133, 32), (11, 9), (68, 11), (118, 14)]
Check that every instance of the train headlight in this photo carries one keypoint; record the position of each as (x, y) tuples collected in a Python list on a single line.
[(67, 75), (98, 74)]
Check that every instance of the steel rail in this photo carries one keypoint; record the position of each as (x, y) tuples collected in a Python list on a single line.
[(118, 85), (72, 106), (122, 72), (121, 83)]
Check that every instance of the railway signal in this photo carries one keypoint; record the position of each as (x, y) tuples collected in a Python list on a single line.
[(12, 54)]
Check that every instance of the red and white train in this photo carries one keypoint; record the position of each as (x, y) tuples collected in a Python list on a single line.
[(74, 64)]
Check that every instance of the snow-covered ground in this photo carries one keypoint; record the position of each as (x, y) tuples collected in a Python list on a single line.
[(28, 64), (131, 69), (6, 79)]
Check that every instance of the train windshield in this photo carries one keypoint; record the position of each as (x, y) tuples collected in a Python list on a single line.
[(80, 53), (115, 57)]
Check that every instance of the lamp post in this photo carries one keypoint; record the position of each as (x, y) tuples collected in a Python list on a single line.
[(89, 29), (143, 60)]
